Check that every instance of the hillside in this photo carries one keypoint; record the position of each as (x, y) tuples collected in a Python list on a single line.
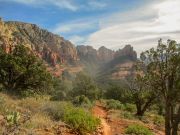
[(61, 55)]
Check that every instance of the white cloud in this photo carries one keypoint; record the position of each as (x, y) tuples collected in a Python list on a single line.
[(140, 27), (64, 4), (97, 4), (74, 26), (77, 39), (72, 5)]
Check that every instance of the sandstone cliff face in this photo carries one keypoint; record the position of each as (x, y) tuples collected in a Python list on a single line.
[(6, 39), (107, 63), (126, 51), (50, 47), (105, 55), (87, 54), (57, 51)]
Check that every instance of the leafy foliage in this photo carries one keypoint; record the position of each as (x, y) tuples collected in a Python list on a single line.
[(114, 104), (129, 107), (116, 92), (140, 91), (82, 101), (158, 120), (137, 129), (13, 118), (84, 85), (81, 120), (61, 90), (163, 66), (21, 70), (57, 110)]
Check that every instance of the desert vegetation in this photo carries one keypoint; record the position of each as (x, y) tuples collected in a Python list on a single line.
[(32, 100)]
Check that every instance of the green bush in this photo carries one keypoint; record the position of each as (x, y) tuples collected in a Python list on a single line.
[(158, 120), (82, 101), (114, 104), (61, 90), (129, 107), (137, 129), (2, 105), (57, 109), (60, 96), (81, 121), (127, 115), (13, 118)]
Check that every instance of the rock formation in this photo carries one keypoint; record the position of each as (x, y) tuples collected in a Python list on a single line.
[(52, 48), (126, 51), (87, 53), (105, 55), (57, 52)]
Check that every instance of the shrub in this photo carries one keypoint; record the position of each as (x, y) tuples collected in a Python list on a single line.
[(56, 109), (137, 129), (85, 85), (81, 120), (127, 115), (13, 118), (158, 120), (129, 107), (2, 105), (82, 101), (60, 96), (61, 90), (25, 66), (114, 104)]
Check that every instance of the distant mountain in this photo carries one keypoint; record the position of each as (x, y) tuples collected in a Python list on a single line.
[(61, 55), (107, 63)]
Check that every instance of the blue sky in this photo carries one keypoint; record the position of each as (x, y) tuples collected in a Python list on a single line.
[(112, 23)]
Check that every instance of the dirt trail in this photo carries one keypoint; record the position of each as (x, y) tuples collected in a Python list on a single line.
[(100, 112)]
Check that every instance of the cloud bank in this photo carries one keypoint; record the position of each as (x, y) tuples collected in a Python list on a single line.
[(140, 27), (63, 4), (113, 23), (72, 5)]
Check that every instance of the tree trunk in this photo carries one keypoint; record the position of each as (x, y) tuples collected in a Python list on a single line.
[(174, 129), (176, 123), (139, 113), (139, 110), (167, 119)]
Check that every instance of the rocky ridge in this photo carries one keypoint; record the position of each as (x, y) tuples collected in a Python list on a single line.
[(50, 47), (57, 52), (104, 55)]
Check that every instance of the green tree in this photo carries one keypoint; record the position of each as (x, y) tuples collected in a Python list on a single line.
[(61, 89), (21, 70), (84, 85), (116, 92), (163, 64), (141, 93)]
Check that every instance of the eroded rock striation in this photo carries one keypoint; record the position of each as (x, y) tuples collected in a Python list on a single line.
[(50, 47), (58, 52)]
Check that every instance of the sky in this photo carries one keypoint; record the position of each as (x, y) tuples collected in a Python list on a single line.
[(110, 23)]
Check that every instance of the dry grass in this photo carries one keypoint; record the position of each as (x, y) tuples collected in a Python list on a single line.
[(39, 120)]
